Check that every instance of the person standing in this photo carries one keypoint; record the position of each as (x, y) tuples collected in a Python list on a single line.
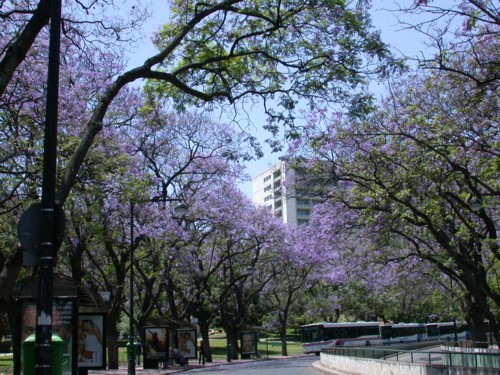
[(202, 353)]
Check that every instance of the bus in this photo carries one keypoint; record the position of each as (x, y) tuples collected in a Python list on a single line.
[(445, 331), (317, 336), (403, 333)]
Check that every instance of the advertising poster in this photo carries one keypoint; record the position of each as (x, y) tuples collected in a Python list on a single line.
[(186, 339), (248, 342), (91, 341), (63, 313), (155, 343)]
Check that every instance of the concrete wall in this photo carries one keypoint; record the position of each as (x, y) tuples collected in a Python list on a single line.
[(363, 366)]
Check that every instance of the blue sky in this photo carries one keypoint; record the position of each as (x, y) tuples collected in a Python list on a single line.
[(403, 41)]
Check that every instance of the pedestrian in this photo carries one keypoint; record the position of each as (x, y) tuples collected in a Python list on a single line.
[(139, 352), (171, 355), (181, 360), (167, 358), (202, 353)]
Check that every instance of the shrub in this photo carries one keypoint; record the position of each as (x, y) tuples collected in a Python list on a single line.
[(5, 346)]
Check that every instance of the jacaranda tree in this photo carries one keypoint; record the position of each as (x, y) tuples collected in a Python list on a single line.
[(226, 52)]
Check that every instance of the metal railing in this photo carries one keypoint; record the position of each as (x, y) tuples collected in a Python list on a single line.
[(446, 355)]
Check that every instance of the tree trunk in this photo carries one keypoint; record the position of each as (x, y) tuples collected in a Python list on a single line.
[(475, 317), (174, 314), (112, 335), (11, 266), (283, 318), (206, 340), (14, 314), (232, 339)]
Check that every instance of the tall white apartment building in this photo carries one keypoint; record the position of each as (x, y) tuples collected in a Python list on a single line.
[(276, 189)]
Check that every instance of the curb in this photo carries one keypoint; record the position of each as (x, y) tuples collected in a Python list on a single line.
[(325, 370)]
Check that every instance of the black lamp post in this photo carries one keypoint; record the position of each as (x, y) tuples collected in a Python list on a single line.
[(455, 334), (180, 210), (131, 358), (46, 246)]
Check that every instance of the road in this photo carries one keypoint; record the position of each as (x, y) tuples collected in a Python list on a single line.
[(289, 366)]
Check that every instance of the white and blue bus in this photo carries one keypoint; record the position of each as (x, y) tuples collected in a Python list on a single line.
[(445, 331), (403, 333), (317, 336)]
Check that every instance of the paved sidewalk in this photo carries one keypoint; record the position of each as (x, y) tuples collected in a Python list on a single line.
[(176, 368), (139, 370), (123, 370)]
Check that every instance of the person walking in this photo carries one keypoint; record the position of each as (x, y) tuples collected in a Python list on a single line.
[(202, 353)]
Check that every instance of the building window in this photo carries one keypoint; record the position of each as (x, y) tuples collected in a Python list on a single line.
[(303, 212), (268, 198), (302, 222), (303, 202), (267, 188), (267, 178)]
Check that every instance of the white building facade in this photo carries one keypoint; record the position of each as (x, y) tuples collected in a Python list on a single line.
[(276, 189)]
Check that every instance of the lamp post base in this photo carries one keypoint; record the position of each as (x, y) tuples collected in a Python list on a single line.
[(131, 366)]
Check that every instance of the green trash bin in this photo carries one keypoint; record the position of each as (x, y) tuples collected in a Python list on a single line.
[(132, 352), (28, 355)]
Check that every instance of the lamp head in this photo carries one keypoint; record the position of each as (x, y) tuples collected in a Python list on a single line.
[(475, 204), (181, 209)]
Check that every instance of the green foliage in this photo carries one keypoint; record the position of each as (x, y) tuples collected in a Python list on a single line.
[(6, 346), (281, 51)]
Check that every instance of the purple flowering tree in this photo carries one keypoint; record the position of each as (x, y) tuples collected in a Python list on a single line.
[(90, 27), (254, 56), (413, 168), (229, 261), (354, 273), (154, 157), (22, 110), (294, 269)]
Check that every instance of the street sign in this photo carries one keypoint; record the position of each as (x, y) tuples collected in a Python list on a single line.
[(29, 230)]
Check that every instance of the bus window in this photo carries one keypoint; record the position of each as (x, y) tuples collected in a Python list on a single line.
[(432, 331), (386, 332), (312, 334)]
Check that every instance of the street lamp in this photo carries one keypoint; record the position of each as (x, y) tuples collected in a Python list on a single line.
[(475, 204), (180, 211)]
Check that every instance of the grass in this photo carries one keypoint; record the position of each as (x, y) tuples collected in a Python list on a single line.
[(265, 348), (218, 347), (6, 364)]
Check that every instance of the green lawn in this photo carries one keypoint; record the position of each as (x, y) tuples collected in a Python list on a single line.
[(6, 364), (218, 347)]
